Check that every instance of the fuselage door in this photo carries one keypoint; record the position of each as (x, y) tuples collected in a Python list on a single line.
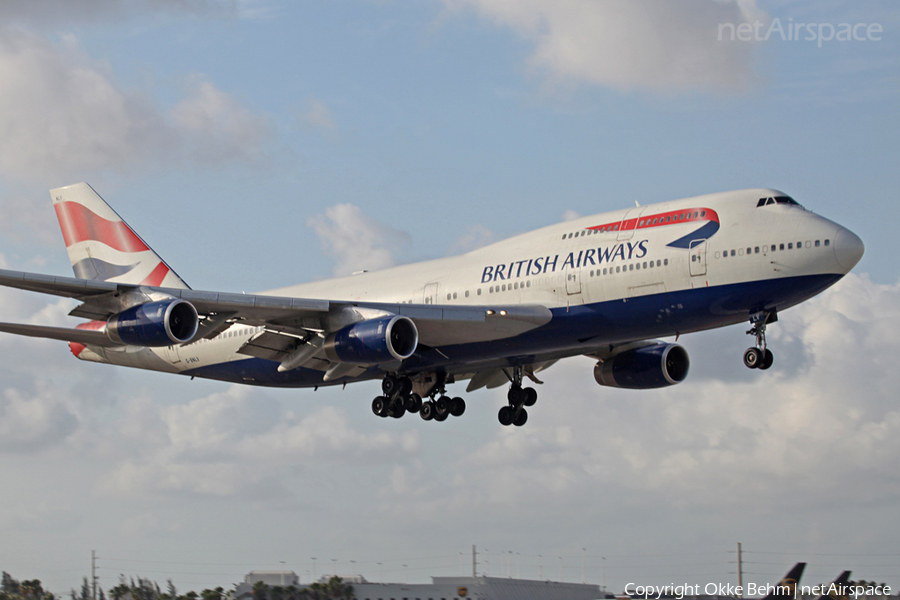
[(630, 223), (698, 257), (431, 292), (573, 281)]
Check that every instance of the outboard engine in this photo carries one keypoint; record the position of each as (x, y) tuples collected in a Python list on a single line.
[(154, 324)]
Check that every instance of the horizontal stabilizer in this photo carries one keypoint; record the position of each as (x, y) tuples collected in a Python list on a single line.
[(81, 336)]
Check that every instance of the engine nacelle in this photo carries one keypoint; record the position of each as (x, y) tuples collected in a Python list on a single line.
[(373, 341), (644, 368), (161, 323)]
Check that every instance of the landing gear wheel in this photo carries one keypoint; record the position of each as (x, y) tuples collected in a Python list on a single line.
[(516, 396), (390, 385), (397, 410), (753, 357), (379, 406), (442, 407), (520, 418), (530, 396), (505, 416), (440, 417), (768, 359), (405, 385), (427, 411), (457, 407), (413, 403)]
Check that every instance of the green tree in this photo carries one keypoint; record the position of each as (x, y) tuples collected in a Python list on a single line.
[(260, 591)]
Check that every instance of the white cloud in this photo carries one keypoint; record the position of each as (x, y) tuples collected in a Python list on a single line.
[(230, 443), (570, 215), (34, 421), (319, 115), (63, 114), (476, 236), (630, 44), (355, 240)]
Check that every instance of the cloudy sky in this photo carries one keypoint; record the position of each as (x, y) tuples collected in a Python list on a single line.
[(259, 143)]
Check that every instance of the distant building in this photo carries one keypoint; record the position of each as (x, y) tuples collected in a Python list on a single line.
[(270, 578), (440, 588)]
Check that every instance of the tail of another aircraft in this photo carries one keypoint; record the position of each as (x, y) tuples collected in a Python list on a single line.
[(787, 587), (102, 246)]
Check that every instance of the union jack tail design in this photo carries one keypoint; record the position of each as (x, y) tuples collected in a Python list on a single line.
[(102, 246)]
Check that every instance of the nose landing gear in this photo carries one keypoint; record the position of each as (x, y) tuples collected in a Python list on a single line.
[(760, 357)]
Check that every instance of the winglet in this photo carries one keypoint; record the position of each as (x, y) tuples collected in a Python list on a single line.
[(101, 246)]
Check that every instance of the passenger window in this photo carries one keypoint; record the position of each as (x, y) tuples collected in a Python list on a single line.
[(799, 245), (645, 265), (773, 247), (631, 267), (528, 283), (748, 250), (617, 269), (827, 242), (665, 262), (478, 291), (755, 250), (781, 246), (604, 271), (790, 245), (817, 243), (702, 213), (657, 262)]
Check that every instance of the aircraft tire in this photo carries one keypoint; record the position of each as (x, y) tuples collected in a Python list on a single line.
[(768, 359), (413, 403), (521, 417), (457, 407), (379, 404), (516, 395), (505, 416), (427, 411), (405, 384), (389, 385), (753, 358), (530, 396), (397, 410), (442, 406)]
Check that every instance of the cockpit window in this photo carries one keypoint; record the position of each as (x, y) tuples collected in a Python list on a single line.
[(777, 200)]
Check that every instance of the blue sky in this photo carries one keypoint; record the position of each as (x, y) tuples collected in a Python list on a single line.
[(260, 143)]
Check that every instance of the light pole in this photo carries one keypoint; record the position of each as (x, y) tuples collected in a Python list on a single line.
[(541, 563), (583, 550), (405, 574), (282, 572), (314, 568), (560, 568), (353, 567), (334, 566), (379, 573)]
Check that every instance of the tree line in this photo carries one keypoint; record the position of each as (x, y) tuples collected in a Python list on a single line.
[(144, 589)]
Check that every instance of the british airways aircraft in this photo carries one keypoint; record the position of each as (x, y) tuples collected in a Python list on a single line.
[(604, 286)]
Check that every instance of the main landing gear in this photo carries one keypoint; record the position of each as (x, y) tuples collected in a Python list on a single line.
[(519, 398), (760, 357), (399, 399)]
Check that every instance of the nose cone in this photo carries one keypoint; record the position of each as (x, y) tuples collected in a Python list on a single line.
[(848, 248)]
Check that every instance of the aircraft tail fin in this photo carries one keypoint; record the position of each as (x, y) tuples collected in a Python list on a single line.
[(838, 588), (787, 587), (102, 246)]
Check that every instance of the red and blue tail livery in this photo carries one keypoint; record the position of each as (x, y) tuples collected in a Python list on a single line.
[(101, 246), (607, 286)]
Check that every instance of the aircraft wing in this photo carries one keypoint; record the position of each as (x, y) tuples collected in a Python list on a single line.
[(438, 325)]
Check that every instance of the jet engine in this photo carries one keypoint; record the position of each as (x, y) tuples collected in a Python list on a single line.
[(160, 323), (373, 341), (655, 366)]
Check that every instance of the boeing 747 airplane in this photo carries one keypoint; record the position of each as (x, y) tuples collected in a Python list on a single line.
[(604, 286)]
